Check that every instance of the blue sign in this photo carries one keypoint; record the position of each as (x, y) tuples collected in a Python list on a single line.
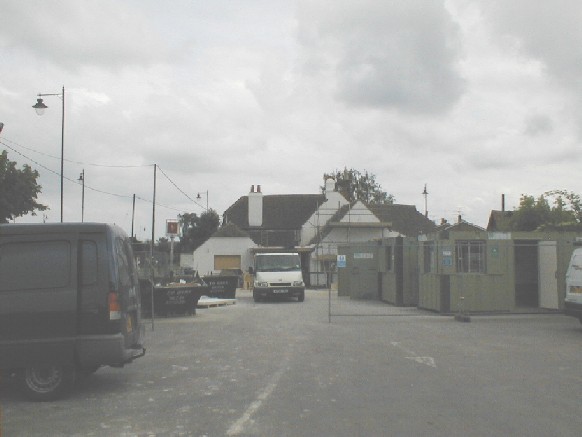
[(341, 261)]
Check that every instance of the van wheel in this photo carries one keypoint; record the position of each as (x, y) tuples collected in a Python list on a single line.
[(301, 297), (48, 382)]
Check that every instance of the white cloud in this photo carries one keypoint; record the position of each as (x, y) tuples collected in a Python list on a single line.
[(83, 33)]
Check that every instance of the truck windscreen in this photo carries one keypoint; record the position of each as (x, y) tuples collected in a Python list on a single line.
[(277, 263)]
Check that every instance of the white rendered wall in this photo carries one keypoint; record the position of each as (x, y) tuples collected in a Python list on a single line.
[(204, 256)]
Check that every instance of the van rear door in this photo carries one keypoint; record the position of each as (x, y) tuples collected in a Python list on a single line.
[(38, 298)]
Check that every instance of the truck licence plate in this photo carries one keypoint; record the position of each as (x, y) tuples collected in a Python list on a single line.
[(281, 291)]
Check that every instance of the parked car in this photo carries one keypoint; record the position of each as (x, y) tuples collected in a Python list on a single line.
[(69, 303)]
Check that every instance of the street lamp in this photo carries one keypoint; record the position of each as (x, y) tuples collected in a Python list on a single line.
[(40, 107), (198, 197)]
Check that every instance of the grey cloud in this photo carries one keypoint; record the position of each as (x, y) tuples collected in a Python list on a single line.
[(538, 124), (548, 31), (398, 54)]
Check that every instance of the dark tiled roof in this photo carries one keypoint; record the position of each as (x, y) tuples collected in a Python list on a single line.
[(284, 211), (499, 221), (404, 219), (283, 217)]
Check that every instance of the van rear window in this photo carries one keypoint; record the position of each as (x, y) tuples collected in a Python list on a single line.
[(35, 265), (125, 262)]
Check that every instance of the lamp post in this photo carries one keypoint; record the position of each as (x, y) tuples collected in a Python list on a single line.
[(198, 197), (39, 107), (82, 180)]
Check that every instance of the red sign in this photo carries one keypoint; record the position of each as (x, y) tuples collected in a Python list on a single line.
[(171, 227)]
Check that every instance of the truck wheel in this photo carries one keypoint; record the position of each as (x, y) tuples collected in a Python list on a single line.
[(301, 297), (48, 382), (256, 297)]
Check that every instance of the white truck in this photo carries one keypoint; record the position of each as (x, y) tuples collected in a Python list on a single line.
[(573, 301), (278, 274)]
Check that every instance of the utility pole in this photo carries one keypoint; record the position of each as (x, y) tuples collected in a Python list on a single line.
[(82, 179), (425, 194), (133, 218), (152, 245)]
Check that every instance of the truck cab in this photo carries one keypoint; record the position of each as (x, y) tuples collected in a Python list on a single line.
[(278, 274)]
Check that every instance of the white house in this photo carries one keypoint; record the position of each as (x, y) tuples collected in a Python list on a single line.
[(227, 248), (311, 224)]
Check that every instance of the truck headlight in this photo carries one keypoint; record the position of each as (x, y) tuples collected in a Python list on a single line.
[(298, 284), (261, 284)]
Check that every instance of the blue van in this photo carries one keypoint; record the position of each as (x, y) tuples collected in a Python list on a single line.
[(69, 303)]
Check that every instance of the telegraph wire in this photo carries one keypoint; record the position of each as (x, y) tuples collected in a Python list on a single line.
[(95, 165), (70, 161), (86, 186), (178, 188)]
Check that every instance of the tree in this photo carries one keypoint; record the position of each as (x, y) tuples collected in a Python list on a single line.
[(163, 245), (196, 230), (355, 185), (530, 214), (18, 190), (564, 213), (568, 204)]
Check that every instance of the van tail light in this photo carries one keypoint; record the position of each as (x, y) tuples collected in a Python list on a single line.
[(114, 306)]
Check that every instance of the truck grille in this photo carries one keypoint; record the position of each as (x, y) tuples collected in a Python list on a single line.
[(280, 284)]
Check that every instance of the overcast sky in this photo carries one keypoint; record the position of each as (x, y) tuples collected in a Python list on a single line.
[(473, 98)]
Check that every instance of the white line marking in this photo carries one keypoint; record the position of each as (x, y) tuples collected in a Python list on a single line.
[(238, 426), (429, 361)]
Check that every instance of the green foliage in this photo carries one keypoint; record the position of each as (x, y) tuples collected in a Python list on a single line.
[(18, 190), (563, 213), (164, 245), (196, 230), (355, 185)]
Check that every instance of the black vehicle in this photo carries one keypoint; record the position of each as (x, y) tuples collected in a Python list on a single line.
[(69, 303)]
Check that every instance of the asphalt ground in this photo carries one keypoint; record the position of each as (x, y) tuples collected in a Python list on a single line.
[(283, 368)]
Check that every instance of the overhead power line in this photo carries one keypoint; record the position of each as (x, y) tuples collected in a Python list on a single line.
[(70, 161), (4, 142)]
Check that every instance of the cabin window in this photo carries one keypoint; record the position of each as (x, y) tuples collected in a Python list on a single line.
[(470, 256)]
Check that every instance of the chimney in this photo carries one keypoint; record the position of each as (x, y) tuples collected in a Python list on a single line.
[(255, 206), (459, 219), (329, 185), (503, 203)]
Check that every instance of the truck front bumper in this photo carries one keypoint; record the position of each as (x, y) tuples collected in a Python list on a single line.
[(278, 291)]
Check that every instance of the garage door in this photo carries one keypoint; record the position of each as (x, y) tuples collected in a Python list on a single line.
[(223, 262)]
